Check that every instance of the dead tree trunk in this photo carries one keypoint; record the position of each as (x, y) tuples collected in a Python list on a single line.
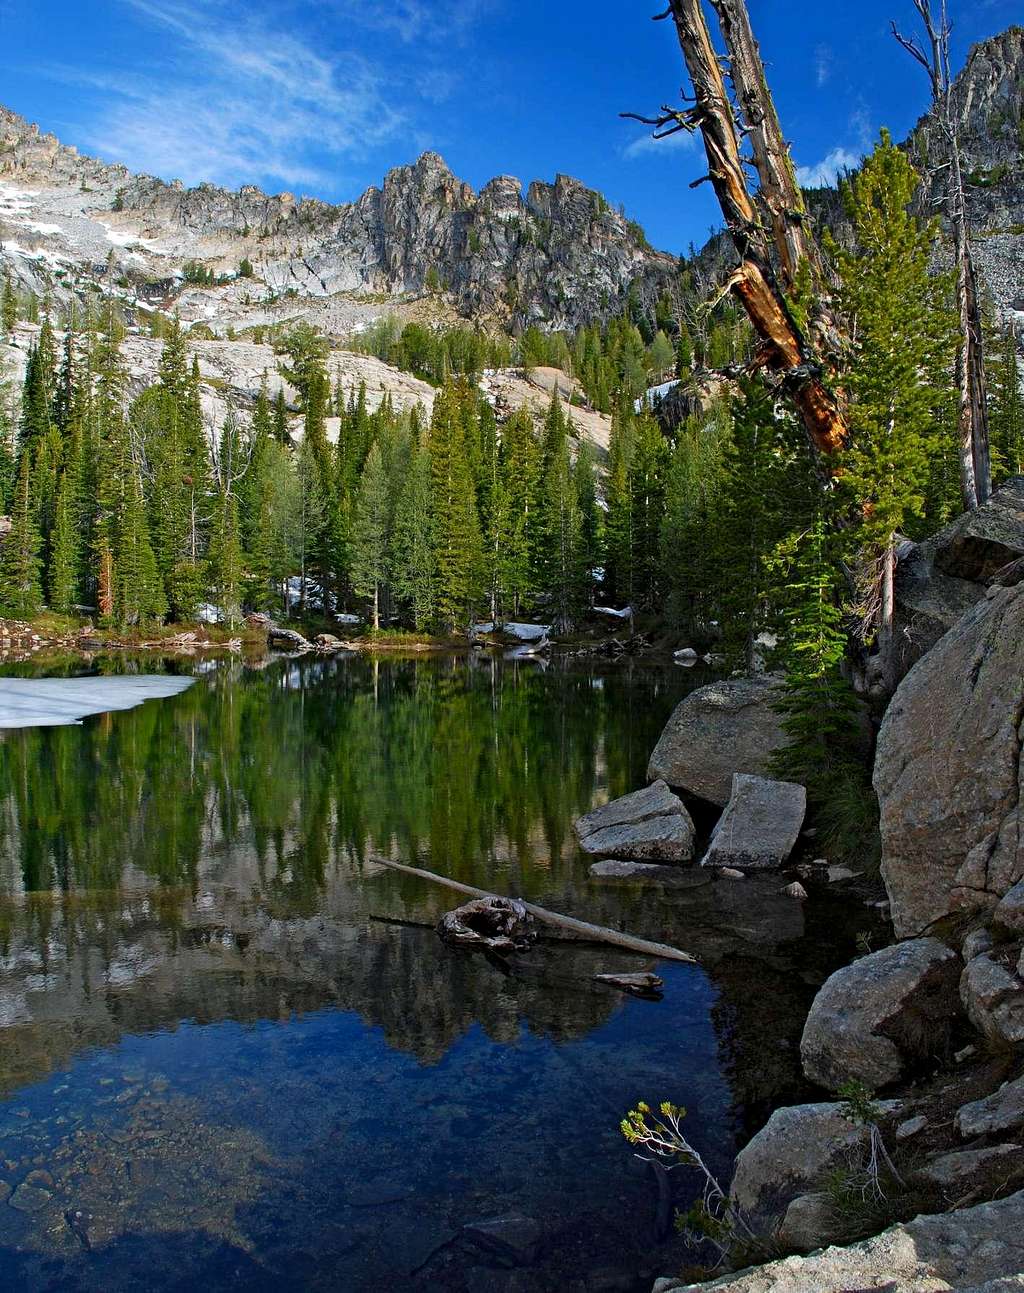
[(784, 347), (975, 463)]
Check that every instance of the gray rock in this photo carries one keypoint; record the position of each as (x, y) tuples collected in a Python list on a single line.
[(791, 1155), (878, 1017), (288, 639), (717, 730), (648, 872), (912, 1127), (977, 942), (1001, 1111), (927, 603), (967, 1170), (810, 1222), (1009, 912), (760, 825), (979, 543), (513, 1238), (994, 1000), (30, 1198), (795, 890), (968, 1250), (948, 771), (651, 824)]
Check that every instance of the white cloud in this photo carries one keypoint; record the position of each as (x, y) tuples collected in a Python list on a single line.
[(828, 170), (644, 145), (238, 99), (822, 64)]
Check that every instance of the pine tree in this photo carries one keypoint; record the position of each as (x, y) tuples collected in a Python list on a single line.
[(1006, 407), (898, 377), (413, 547), (516, 520), (65, 556), (20, 588), (8, 304), (370, 530), (620, 536), (458, 550)]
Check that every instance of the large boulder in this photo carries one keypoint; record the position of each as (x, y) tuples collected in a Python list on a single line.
[(978, 544), (650, 825), (978, 1249), (719, 729), (879, 1017), (948, 770), (794, 1152), (760, 825)]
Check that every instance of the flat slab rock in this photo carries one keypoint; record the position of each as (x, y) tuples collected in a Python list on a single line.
[(649, 825), (57, 702), (971, 1249), (1001, 1111), (760, 825)]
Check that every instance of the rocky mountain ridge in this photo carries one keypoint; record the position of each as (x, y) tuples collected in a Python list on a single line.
[(557, 255)]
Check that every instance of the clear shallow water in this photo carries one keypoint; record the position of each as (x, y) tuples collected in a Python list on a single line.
[(231, 1052)]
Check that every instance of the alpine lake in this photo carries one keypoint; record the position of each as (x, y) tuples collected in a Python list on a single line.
[(234, 1052)]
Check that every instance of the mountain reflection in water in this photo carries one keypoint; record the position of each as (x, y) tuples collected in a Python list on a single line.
[(229, 1049)]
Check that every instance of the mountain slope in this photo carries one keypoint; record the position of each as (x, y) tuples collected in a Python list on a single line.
[(558, 255)]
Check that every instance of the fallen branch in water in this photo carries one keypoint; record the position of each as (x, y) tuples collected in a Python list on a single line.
[(598, 932)]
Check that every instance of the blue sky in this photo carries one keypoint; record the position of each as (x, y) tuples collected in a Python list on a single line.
[(323, 96)]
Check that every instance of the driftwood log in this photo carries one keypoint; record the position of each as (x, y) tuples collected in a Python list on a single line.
[(641, 985), (500, 925), (597, 932)]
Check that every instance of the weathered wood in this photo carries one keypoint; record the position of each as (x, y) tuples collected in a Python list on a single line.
[(785, 348), (598, 932)]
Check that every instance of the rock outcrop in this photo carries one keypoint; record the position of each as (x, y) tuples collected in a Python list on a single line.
[(940, 579), (948, 770), (650, 825), (971, 1250), (760, 825), (557, 254), (994, 1114), (720, 729), (878, 1018)]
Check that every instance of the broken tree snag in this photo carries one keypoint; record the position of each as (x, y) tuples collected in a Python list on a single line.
[(596, 932), (786, 350), (778, 190), (974, 450)]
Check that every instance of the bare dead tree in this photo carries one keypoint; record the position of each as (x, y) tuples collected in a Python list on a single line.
[(800, 359), (933, 56)]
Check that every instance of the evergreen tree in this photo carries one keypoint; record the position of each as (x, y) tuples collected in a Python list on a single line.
[(20, 588), (412, 554), (458, 551), (516, 518), (1006, 407), (899, 374), (370, 531), (8, 304), (65, 556)]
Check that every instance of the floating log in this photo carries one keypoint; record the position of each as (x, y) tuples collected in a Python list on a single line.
[(643, 985), (632, 944)]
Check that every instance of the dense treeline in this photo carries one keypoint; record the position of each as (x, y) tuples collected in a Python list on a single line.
[(142, 510)]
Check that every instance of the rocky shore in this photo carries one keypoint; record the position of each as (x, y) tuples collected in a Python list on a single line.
[(918, 1046)]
